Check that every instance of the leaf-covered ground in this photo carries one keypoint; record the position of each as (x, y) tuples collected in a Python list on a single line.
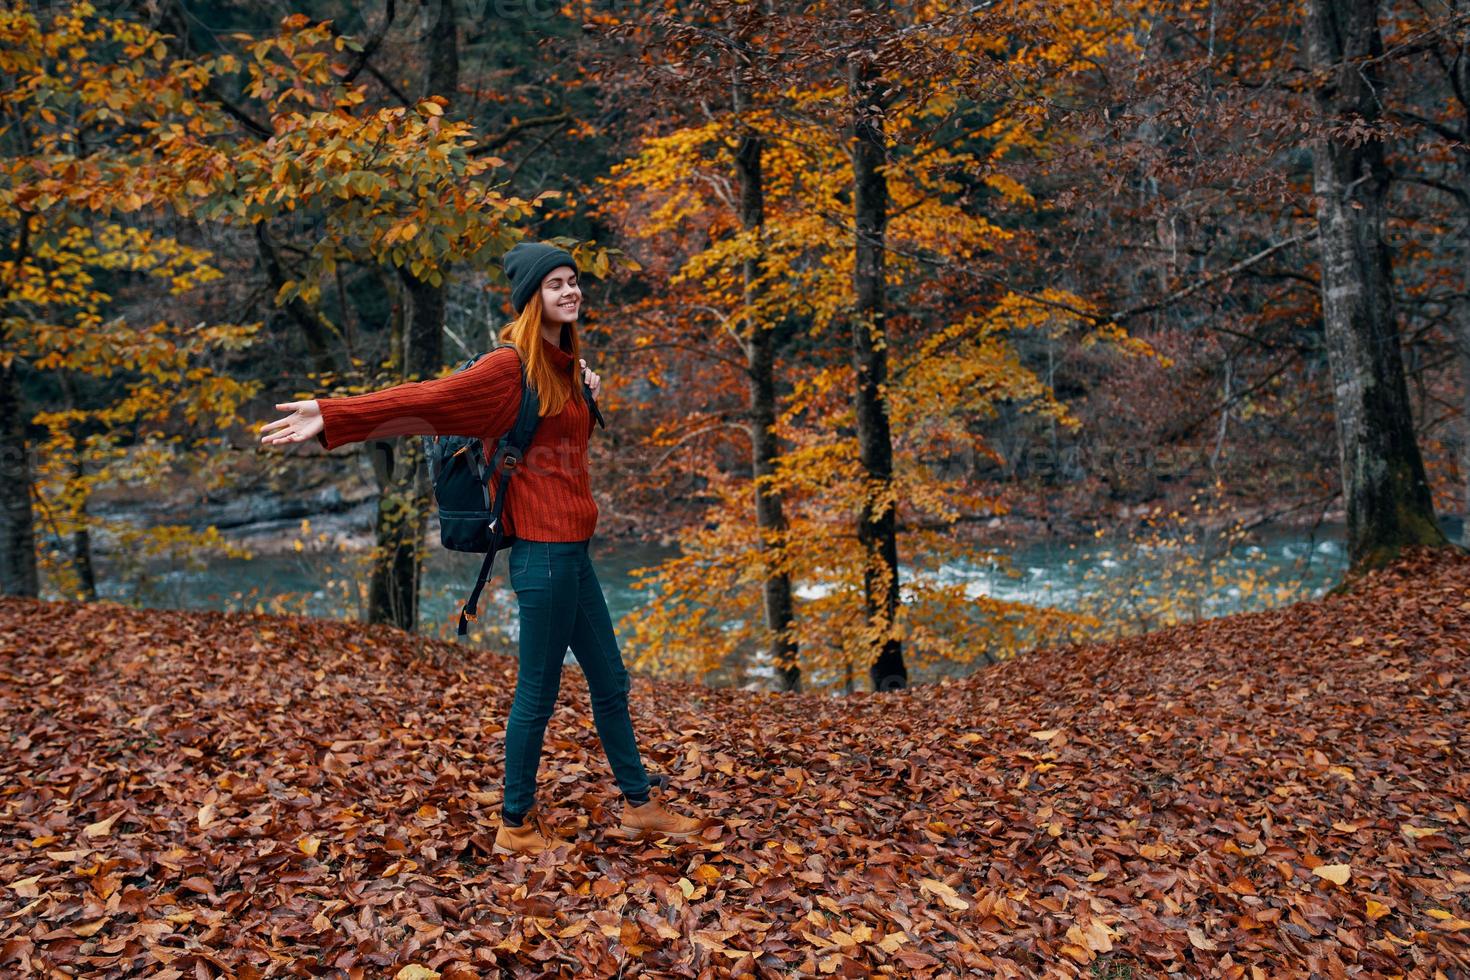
[(1282, 794)]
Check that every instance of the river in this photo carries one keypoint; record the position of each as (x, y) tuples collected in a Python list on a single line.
[(1057, 573)]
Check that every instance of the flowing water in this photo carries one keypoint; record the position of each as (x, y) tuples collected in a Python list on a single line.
[(1275, 566)]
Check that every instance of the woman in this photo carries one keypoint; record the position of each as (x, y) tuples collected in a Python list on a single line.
[(549, 511)]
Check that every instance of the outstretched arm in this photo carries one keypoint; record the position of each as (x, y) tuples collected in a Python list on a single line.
[(481, 399)]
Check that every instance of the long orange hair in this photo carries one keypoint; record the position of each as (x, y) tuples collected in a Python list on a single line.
[(552, 386)]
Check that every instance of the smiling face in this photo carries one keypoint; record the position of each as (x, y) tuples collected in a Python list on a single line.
[(561, 297)]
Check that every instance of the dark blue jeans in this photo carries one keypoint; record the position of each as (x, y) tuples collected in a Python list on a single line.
[(561, 605)]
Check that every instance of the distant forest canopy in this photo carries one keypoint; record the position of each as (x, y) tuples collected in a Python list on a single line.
[(861, 277)]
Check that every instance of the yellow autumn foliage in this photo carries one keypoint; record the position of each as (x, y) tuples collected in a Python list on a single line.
[(952, 353)]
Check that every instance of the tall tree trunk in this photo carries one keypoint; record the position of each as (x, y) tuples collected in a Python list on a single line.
[(1464, 352), (442, 49), (81, 538), (81, 541), (760, 354), (1384, 486), (316, 330), (1460, 85), (876, 526), (18, 574), (404, 500), (393, 587), (1462, 340)]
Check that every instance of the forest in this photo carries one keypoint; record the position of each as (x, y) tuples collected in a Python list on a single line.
[(1033, 500), (885, 288)]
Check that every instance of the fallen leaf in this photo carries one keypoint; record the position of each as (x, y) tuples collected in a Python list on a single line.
[(899, 844), (89, 928), (1078, 954), (102, 827), (1198, 940), (1338, 874), (943, 892), (26, 887), (75, 855)]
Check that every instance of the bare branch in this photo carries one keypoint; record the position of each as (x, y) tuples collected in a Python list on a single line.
[(491, 143)]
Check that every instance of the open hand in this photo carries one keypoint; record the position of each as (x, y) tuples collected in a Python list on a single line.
[(304, 422), (594, 381)]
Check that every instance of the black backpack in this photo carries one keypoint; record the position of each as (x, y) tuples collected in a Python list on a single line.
[(468, 519)]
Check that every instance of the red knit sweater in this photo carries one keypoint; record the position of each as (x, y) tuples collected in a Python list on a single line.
[(550, 497)]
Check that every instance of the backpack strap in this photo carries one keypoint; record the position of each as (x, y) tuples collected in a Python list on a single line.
[(510, 452), (592, 404)]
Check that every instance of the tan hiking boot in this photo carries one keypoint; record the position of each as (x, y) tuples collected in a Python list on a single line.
[(652, 820), (532, 837)]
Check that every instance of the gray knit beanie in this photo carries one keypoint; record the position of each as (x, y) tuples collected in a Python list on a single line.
[(526, 264)]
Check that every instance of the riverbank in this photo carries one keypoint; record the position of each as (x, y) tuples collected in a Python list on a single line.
[(1279, 793), (339, 514)]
